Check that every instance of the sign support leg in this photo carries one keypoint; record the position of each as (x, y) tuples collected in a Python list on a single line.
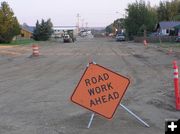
[(92, 115), (90, 121), (133, 114)]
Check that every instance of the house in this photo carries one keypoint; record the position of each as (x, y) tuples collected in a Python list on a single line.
[(26, 31), (166, 27), (177, 28)]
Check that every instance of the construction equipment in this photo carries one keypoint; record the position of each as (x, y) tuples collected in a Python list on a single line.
[(69, 36)]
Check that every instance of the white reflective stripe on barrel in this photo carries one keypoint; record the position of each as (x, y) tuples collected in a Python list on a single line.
[(176, 76), (176, 73)]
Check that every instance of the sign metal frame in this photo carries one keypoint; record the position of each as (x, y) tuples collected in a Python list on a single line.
[(119, 104), (119, 100)]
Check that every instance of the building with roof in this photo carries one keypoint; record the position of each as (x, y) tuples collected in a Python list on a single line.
[(166, 27), (27, 31), (177, 28)]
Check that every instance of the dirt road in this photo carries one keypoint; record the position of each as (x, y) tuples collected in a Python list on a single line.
[(35, 92)]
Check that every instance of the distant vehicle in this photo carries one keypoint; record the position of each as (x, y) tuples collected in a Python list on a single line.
[(154, 34), (120, 37), (177, 39), (60, 31), (67, 38)]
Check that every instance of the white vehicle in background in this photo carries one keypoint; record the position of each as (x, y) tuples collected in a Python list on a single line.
[(120, 37), (86, 34)]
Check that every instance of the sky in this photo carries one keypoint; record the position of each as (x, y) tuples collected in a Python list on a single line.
[(94, 13)]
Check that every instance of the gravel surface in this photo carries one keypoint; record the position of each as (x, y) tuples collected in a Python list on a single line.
[(35, 91)]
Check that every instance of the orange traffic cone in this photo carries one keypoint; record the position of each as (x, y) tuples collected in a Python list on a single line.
[(35, 49), (145, 43), (176, 85)]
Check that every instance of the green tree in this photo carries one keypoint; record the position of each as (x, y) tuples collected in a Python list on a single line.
[(9, 26), (43, 30), (140, 18), (175, 6), (177, 17), (169, 11), (109, 29), (119, 24)]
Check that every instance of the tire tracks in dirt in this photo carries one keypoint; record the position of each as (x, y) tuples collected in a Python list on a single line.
[(130, 68)]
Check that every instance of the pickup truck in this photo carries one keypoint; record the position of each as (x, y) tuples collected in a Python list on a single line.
[(120, 37)]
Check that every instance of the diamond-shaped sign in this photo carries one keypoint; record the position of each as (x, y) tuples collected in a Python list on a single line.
[(100, 90)]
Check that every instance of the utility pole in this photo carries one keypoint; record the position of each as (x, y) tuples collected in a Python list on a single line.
[(86, 25), (78, 17), (82, 23)]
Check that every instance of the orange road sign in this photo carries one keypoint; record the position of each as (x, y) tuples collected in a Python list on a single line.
[(100, 90)]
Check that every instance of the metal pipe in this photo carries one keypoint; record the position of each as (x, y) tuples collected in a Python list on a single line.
[(90, 121), (133, 114)]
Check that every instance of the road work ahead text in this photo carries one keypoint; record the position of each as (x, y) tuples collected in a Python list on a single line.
[(97, 93)]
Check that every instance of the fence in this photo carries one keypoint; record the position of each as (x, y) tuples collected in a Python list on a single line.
[(155, 39)]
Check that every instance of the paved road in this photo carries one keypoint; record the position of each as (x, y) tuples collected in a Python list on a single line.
[(35, 92)]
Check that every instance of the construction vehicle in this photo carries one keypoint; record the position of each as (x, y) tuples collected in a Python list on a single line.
[(69, 36)]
